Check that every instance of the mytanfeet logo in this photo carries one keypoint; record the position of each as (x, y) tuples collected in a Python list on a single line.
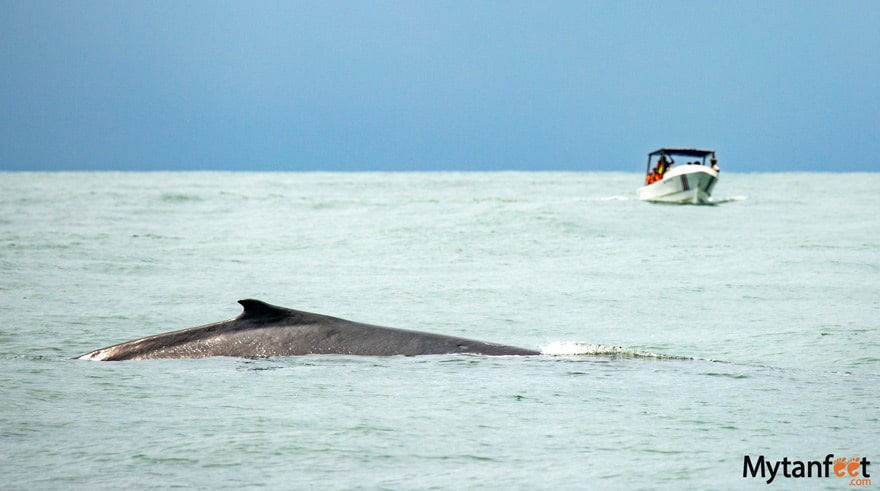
[(853, 468)]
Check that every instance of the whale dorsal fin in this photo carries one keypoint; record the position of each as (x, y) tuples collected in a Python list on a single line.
[(257, 308)]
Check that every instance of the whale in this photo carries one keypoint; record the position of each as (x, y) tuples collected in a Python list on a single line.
[(263, 330)]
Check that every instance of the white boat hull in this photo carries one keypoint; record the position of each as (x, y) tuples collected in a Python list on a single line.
[(682, 184)]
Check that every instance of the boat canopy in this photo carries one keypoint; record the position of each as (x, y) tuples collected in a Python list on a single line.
[(684, 152)]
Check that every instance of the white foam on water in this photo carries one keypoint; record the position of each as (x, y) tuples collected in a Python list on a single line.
[(571, 348), (731, 199)]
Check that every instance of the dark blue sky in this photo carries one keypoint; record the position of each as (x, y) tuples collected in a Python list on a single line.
[(430, 85)]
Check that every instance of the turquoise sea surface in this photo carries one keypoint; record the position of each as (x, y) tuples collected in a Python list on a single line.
[(677, 340)]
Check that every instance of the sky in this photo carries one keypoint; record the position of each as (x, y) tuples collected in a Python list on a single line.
[(412, 85)]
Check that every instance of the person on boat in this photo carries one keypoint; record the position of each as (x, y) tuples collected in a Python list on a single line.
[(714, 162), (662, 166), (652, 176)]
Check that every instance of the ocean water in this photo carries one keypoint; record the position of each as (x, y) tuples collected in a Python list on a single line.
[(677, 339)]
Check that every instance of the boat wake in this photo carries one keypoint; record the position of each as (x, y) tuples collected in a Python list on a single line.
[(583, 349), (731, 199)]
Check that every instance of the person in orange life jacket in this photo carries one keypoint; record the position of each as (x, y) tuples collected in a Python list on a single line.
[(657, 172), (650, 178), (654, 176), (660, 169)]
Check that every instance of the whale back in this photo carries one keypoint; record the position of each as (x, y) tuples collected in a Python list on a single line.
[(264, 330)]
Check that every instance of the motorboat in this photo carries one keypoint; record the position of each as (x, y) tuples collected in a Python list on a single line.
[(668, 181)]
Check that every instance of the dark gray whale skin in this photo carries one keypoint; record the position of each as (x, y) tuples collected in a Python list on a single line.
[(264, 330)]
